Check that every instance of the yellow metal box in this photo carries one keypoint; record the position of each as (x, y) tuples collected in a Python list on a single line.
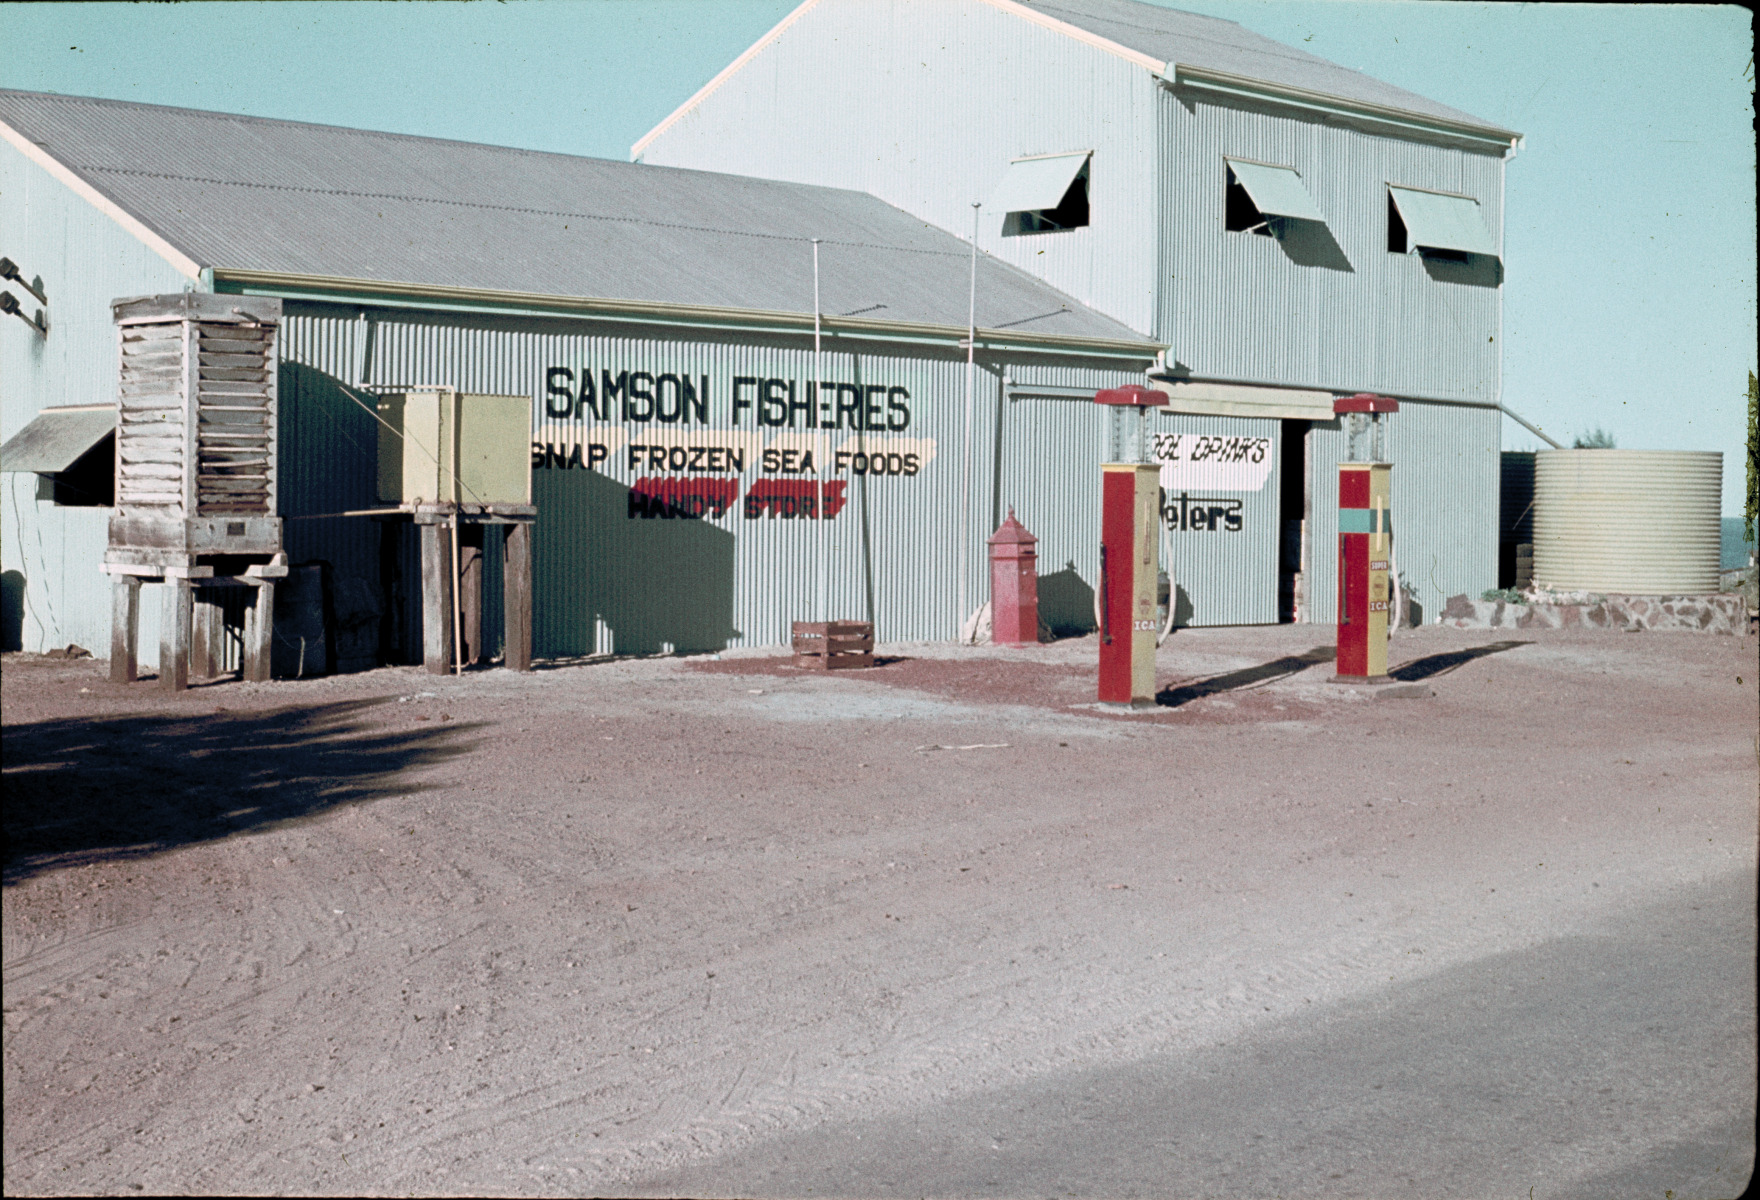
[(449, 447)]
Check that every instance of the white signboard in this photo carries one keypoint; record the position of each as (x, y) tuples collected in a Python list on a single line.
[(1212, 462)]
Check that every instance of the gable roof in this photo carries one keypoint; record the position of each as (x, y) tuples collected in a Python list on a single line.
[(1178, 38), (252, 195), (1177, 46)]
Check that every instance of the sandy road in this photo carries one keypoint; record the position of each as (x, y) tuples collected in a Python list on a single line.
[(569, 931)]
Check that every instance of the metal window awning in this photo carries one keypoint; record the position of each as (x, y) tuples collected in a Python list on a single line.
[(1034, 184), (1276, 191), (1438, 222), (56, 438), (1243, 400)]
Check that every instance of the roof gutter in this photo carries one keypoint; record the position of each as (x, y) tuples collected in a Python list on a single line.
[(1224, 83), (338, 290)]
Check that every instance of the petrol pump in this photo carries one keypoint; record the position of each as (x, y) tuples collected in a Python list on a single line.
[(1365, 539), (1130, 515)]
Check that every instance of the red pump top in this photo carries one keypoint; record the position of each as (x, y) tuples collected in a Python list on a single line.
[(1132, 394), (1364, 402)]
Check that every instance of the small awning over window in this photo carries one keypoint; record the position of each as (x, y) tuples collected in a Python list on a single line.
[(1034, 184), (1276, 191), (56, 438), (1438, 222)]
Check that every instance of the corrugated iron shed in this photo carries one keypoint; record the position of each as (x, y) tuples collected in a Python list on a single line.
[(250, 194)]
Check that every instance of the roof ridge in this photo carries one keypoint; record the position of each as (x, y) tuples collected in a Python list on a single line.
[(251, 118), (355, 131)]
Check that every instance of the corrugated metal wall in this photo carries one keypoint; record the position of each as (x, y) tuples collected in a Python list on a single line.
[(933, 133), (1311, 311), (1050, 473), (329, 464), (1445, 505), (1225, 570), (608, 576), (49, 554)]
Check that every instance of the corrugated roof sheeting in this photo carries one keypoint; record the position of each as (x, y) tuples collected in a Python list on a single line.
[(1326, 307), (1201, 41), (255, 194), (85, 261), (894, 136), (1446, 467)]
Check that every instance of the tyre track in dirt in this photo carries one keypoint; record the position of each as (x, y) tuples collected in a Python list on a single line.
[(552, 911)]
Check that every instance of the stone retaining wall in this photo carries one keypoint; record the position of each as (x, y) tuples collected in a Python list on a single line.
[(1700, 614)]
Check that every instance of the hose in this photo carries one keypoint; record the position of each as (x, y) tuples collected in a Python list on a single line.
[(1399, 593), (1172, 586), (1172, 589)]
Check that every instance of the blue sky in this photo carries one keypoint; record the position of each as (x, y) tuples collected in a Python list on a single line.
[(1630, 234)]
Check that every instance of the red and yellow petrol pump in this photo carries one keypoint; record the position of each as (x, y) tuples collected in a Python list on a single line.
[(1130, 515), (1365, 540)]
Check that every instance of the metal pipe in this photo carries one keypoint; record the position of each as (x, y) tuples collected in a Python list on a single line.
[(457, 567), (965, 470), (1529, 426), (457, 603), (823, 607)]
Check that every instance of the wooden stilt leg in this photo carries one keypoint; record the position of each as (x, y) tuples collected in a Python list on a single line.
[(125, 629), (206, 618), (174, 635), (436, 599), (259, 634), (470, 582), (516, 606)]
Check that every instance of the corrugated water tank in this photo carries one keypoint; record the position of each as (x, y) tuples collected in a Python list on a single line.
[(1643, 522)]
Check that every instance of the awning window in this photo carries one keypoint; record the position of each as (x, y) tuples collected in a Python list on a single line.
[(56, 438), (1035, 184), (1276, 191), (1434, 221)]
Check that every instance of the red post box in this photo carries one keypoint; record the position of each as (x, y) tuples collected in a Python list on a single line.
[(1014, 584)]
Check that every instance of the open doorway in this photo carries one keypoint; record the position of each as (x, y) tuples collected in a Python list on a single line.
[(1294, 502)]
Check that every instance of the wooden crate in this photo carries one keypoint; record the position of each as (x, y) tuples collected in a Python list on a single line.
[(833, 645)]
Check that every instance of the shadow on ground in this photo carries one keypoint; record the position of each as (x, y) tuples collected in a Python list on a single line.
[(127, 787), (1432, 665), (1235, 680)]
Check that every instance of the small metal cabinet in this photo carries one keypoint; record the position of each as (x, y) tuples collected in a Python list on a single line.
[(449, 447)]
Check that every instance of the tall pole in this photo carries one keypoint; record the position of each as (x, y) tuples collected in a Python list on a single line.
[(824, 605), (965, 470)]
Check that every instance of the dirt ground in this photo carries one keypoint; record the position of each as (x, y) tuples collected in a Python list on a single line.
[(393, 933)]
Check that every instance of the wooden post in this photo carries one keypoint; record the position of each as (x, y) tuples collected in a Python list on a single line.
[(125, 629), (436, 599), (207, 627), (393, 617), (259, 633), (470, 582), (174, 634), (516, 606)]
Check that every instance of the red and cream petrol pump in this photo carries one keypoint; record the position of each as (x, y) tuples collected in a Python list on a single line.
[(1365, 539), (1130, 515)]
